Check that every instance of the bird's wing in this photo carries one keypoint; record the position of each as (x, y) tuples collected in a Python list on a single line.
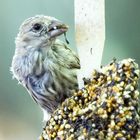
[(66, 56)]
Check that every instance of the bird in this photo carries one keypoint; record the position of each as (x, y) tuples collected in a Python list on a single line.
[(42, 63)]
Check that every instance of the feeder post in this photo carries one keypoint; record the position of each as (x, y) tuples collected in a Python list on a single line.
[(90, 35)]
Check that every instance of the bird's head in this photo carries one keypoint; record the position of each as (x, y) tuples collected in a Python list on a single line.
[(39, 30)]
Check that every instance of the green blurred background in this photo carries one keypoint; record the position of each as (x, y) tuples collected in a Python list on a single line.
[(20, 117)]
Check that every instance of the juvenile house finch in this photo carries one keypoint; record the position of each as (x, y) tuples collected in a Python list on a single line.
[(44, 65)]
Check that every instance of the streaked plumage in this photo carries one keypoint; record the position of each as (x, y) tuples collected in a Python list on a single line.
[(43, 64)]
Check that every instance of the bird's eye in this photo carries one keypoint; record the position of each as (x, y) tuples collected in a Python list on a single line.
[(37, 27)]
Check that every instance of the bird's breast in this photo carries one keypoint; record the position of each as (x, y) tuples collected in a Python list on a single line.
[(28, 63)]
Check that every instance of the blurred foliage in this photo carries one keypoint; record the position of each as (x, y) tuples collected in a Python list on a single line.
[(19, 115), (122, 30)]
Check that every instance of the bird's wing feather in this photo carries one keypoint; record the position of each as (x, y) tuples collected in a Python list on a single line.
[(67, 57)]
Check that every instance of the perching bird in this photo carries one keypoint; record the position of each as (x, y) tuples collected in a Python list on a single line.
[(44, 65)]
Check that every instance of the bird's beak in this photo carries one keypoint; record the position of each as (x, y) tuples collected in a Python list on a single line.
[(56, 28)]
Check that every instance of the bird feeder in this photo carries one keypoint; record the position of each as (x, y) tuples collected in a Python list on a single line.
[(108, 106)]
